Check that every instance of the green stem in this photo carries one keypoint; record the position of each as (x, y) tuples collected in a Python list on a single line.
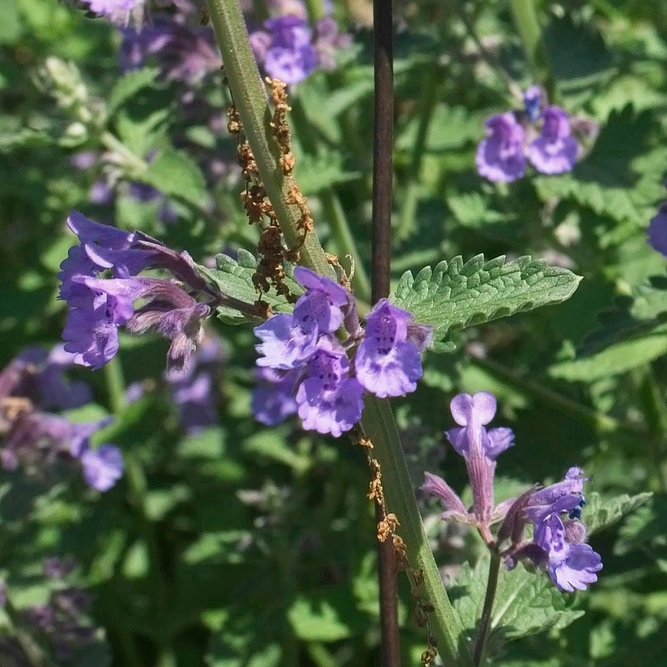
[(656, 416), (484, 630), (406, 223), (252, 103), (379, 425), (378, 421), (333, 209), (528, 26), (315, 10), (115, 381)]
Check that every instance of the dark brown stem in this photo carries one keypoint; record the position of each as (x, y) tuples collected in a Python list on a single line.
[(383, 145)]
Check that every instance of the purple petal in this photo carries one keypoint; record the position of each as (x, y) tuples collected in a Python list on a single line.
[(500, 156), (102, 467)]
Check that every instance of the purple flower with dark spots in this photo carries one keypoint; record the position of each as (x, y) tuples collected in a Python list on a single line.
[(328, 399), (500, 156), (554, 151), (102, 467), (273, 400), (387, 364)]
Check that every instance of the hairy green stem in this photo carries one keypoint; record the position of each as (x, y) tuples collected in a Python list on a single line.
[(378, 421), (315, 10), (528, 26), (379, 425), (251, 101), (484, 630)]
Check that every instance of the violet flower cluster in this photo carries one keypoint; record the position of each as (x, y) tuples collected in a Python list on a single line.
[(290, 49), (34, 438), (512, 139), (305, 368), (99, 305), (558, 544)]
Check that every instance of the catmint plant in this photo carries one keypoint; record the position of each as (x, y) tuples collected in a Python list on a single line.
[(558, 542)]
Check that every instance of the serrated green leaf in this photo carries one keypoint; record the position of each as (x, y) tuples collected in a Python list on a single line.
[(526, 602), (600, 513), (455, 295), (129, 85), (175, 174), (234, 278)]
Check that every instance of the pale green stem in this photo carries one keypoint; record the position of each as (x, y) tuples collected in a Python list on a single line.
[(379, 425), (251, 101), (528, 26), (378, 421), (484, 630), (656, 415)]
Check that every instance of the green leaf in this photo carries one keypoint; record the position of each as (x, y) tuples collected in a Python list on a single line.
[(614, 360), (234, 278), (175, 174), (526, 602), (323, 618), (455, 295), (129, 85), (640, 312), (646, 528), (616, 178), (317, 173), (600, 513)]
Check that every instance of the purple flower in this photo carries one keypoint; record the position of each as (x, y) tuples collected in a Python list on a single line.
[(182, 53), (110, 7), (436, 486), (322, 302), (290, 55), (58, 568), (657, 231), (532, 99), (327, 41), (554, 151), (195, 390), (387, 364), (102, 467), (478, 446), (289, 340), (500, 156), (570, 566), (328, 400), (273, 399)]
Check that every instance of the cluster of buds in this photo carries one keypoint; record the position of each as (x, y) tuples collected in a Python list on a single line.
[(558, 543)]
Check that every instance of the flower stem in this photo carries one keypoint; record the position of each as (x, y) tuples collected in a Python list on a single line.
[(315, 10), (484, 630), (379, 425), (378, 420), (253, 106)]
